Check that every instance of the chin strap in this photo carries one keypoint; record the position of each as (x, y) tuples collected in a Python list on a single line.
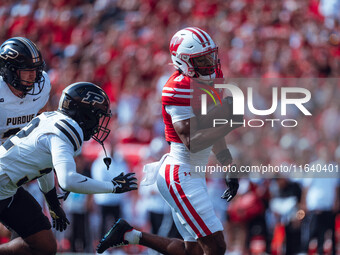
[(106, 160)]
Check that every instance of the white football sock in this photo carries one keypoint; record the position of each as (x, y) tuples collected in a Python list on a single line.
[(133, 236)]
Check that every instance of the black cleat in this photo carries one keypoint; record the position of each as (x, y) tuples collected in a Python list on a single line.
[(115, 236)]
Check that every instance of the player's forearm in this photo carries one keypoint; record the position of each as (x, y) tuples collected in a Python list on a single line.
[(199, 139), (72, 181), (78, 183), (219, 146), (204, 138)]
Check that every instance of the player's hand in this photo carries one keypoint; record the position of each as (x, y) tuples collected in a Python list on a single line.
[(59, 219), (124, 183), (230, 192)]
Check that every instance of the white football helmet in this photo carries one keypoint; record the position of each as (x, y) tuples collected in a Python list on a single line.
[(194, 53)]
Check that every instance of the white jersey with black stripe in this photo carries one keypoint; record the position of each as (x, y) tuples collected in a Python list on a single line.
[(17, 112), (50, 140), (26, 155)]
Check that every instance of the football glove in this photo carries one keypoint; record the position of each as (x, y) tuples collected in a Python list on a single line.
[(59, 219), (230, 192), (124, 183)]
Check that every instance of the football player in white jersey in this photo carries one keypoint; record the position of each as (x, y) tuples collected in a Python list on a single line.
[(194, 54), (52, 140), (24, 86)]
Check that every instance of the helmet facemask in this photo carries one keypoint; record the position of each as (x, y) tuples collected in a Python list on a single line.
[(27, 87), (101, 132), (94, 124), (204, 65)]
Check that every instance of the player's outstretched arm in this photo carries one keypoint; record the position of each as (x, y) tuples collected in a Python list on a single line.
[(70, 180)]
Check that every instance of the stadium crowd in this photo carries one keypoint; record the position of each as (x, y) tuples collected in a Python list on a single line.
[(122, 45)]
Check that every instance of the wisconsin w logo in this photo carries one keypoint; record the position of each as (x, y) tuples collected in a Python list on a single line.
[(8, 52), (92, 98)]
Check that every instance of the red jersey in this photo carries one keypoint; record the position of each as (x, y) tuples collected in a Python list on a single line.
[(178, 91)]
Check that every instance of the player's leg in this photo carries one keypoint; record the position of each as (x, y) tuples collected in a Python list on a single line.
[(191, 244), (187, 245), (163, 245), (213, 244), (42, 242), (24, 215), (194, 208), (170, 245), (193, 213), (15, 246), (122, 234)]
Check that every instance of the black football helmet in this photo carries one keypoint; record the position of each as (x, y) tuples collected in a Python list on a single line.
[(89, 106), (19, 53)]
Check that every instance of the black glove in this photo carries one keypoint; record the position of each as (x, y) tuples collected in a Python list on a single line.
[(124, 183), (59, 220), (230, 192)]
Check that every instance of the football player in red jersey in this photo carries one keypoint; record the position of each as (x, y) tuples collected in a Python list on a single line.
[(194, 55)]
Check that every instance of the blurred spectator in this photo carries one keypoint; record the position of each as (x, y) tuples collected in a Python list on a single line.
[(329, 9), (284, 204), (246, 222), (320, 200), (110, 206)]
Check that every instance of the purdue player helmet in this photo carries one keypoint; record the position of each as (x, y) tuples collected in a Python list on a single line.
[(19, 53), (89, 106)]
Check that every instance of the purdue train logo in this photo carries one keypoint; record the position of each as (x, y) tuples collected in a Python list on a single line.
[(8, 52), (92, 98)]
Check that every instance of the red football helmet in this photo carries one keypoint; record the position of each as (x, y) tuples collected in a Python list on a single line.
[(194, 53)]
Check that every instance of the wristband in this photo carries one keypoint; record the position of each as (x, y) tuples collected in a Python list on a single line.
[(52, 199)]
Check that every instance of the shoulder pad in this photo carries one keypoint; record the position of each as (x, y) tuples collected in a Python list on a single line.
[(67, 128), (177, 91)]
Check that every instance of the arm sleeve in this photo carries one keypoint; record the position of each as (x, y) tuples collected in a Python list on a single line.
[(65, 168), (46, 182), (179, 113)]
